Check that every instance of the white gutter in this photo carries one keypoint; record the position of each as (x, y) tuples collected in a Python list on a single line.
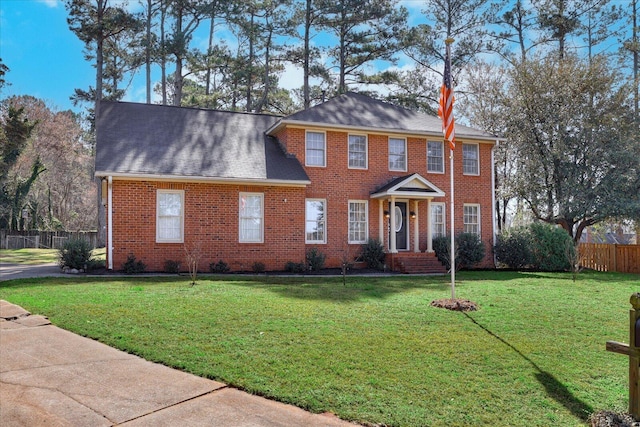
[(110, 221)]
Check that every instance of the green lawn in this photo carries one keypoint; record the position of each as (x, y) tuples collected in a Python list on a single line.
[(32, 256), (373, 351)]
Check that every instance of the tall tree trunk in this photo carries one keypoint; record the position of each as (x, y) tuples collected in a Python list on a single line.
[(250, 64), (207, 90), (307, 35), (163, 51), (148, 51)]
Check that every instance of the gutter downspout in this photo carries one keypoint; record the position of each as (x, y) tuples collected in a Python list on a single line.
[(110, 222), (493, 197)]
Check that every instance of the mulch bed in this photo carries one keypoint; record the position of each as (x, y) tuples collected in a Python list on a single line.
[(455, 304), (613, 419)]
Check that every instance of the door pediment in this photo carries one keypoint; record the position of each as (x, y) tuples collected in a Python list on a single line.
[(412, 186)]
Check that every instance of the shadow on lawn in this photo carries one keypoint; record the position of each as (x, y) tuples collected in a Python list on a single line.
[(555, 389), (356, 289)]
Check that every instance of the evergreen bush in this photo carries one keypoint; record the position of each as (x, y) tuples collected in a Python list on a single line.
[(219, 267), (75, 253), (132, 266), (548, 246), (315, 259), (513, 248), (468, 246), (373, 254)]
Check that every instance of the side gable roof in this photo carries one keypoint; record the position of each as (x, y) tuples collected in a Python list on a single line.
[(143, 140), (356, 111)]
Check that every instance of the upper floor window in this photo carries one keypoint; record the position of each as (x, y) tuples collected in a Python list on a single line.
[(435, 156), (471, 219), (170, 216), (357, 151), (315, 221), (397, 154), (251, 218), (316, 152), (438, 220), (470, 159), (358, 224)]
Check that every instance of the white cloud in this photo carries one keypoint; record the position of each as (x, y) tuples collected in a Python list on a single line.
[(49, 3)]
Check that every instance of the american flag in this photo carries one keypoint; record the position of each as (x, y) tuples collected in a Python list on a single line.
[(445, 110)]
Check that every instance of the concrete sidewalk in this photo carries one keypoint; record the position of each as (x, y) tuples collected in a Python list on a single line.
[(51, 377)]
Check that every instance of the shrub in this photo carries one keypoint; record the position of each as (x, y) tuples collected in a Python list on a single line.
[(514, 248), (469, 250), (258, 267), (548, 246), (373, 254), (219, 267), (315, 259), (441, 246), (294, 267), (94, 264), (131, 266), (75, 253), (171, 266)]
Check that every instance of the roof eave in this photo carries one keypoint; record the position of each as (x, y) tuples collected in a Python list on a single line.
[(212, 180), (436, 134)]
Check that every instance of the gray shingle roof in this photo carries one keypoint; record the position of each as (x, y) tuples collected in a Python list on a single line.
[(355, 110), (143, 139)]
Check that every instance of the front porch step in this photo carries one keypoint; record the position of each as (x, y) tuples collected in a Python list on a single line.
[(415, 263)]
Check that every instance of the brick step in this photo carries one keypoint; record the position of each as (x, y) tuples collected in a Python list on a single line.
[(418, 264)]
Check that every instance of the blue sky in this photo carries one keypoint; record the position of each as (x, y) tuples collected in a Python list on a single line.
[(44, 57)]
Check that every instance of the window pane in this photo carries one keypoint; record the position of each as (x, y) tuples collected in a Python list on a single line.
[(435, 157), (315, 149), (471, 220), (357, 151), (437, 220), (315, 221), (397, 154), (250, 228), (169, 216), (470, 159), (357, 222)]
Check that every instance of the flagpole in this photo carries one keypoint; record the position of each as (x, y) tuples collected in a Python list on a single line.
[(449, 130)]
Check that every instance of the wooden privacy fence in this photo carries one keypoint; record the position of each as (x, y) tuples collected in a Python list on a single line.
[(605, 257), (43, 239)]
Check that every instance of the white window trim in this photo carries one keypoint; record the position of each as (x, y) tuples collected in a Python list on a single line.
[(443, 165), (366, 151), (366, 220), (477, 205), (261, 195), (406, 155), (326, 228), (324, 160), (477, 159), (444, 218), (181, 193)]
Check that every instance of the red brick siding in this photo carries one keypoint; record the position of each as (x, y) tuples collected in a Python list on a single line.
[(211, 222), (211, 210)]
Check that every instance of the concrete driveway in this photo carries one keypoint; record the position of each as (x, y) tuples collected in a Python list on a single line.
[(23, 271)]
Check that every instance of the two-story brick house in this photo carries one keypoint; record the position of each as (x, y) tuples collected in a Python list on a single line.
[(247, 188)]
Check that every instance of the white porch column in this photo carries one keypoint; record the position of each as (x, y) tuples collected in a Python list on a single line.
[(381, 221), (416, 228), (429, 225), (110, 222), (392, 219)]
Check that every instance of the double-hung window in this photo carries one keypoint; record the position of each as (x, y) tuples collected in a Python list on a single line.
[(357, 152), (251, 218), (470, 159), (358, 224), (438, 222), (471, 219), (170, 216), (397, 154), (435, 157), (316, 221), (315, 149)]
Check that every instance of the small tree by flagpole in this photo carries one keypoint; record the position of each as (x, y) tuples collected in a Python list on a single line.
[(445, 112)]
